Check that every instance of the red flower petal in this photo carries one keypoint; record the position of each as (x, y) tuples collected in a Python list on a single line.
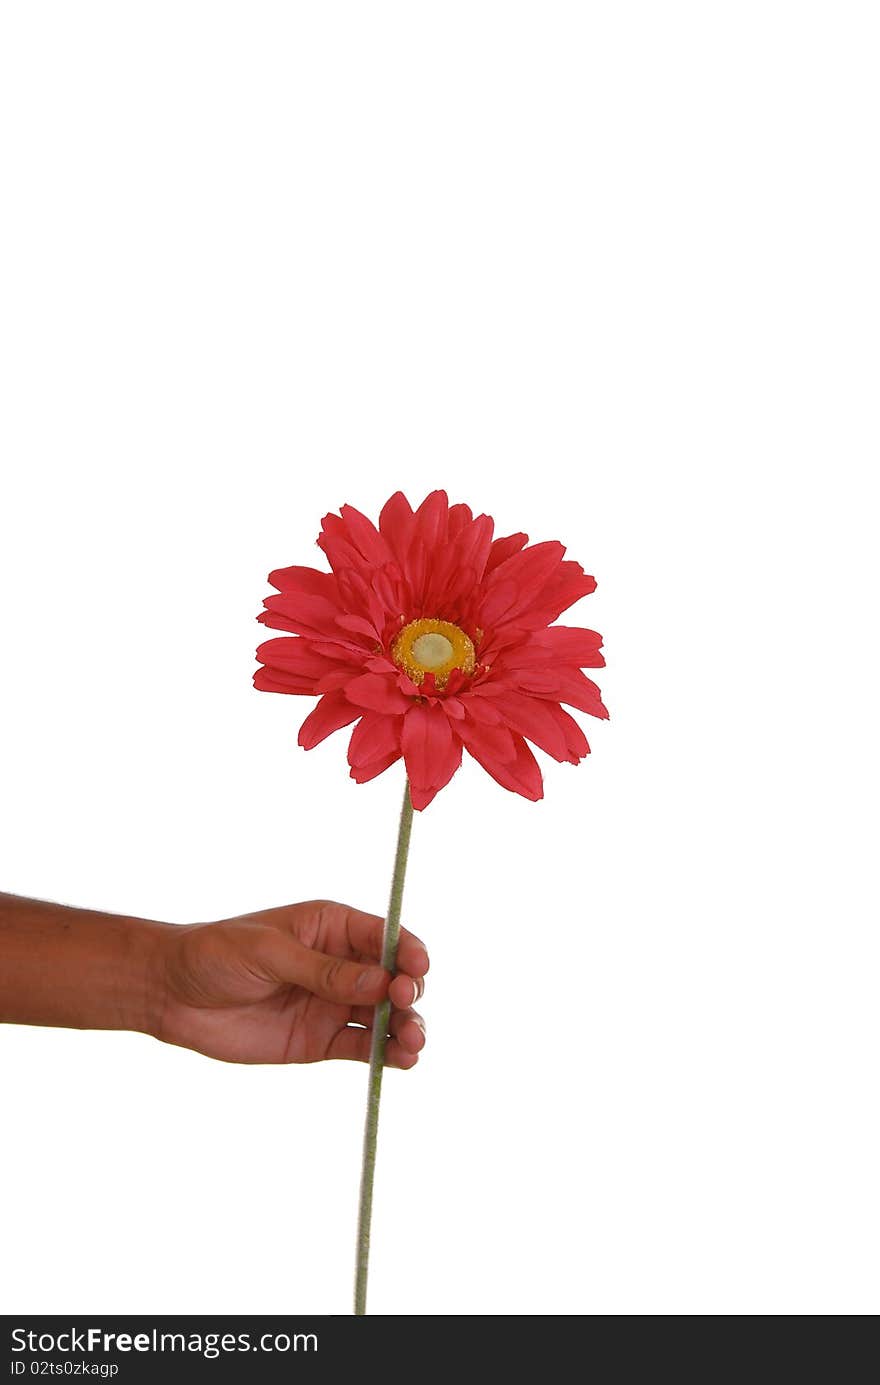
[(457, 682), (375, 736), (545, 724), (358, 626), (294, 655), (338, 677), (379, 693), (311, 615), (566, 685), (456, 570), (530, 567), (460, 516), (417, 572), (276, 621), (407, 686), (396, 524), (558, 644), (431, 520), (502, 549), (498, 604), (481, 738), (342, 651), (305, 579), (479, 707), (527, 573), (386, 587), (565, 587), (576, 742), (431, 752), (361, 774), (454, 708), (365, 537), (332, 712), (521, 775), (335, 542), (379, 664), (265, 680)]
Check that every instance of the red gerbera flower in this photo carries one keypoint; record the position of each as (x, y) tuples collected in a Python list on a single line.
[(434, 637)]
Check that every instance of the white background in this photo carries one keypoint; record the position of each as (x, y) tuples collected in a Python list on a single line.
[(608, 272)]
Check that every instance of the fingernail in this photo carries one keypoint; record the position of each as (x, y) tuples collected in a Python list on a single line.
[(415, 995), (369, 979)]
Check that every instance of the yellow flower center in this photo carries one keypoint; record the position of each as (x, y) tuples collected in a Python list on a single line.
[(432, 646)]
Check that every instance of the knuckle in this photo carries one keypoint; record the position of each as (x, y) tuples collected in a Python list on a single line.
[(333, 972)]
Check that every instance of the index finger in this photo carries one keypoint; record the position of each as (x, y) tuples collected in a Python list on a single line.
[(364, 933)]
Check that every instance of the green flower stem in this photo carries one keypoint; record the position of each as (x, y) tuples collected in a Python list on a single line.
[(377, 1057)]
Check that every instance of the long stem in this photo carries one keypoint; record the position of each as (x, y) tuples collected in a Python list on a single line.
[(377, 1057)]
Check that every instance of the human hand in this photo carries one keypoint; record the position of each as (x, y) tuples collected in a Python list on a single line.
[(288, 985)]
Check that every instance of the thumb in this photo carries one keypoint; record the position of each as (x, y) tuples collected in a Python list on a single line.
[(330, 978)]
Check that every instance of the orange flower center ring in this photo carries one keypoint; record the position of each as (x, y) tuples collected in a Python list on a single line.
[(433, 646)]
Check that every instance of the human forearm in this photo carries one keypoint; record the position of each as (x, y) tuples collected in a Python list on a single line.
[(287, 985), (77, 968)]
